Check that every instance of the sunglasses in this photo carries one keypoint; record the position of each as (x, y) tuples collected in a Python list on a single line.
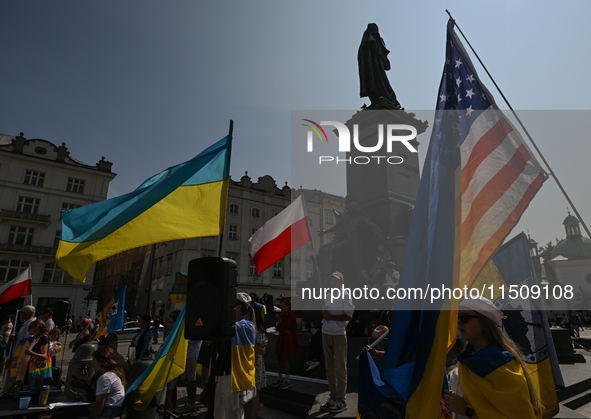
[(465, 318)]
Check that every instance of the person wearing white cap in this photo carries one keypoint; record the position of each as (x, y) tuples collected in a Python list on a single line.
[(336, 315), (491, 379)]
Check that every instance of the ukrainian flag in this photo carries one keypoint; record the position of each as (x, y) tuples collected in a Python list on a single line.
[(477, 180), (172, 356), (184, 201), (243, 370), (526, 322)]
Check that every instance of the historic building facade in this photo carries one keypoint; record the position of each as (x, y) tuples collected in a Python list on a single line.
[(150, 271), (37, 180)]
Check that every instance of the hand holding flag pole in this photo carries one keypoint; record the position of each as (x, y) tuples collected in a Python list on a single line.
[(378, 340), (550, 171)]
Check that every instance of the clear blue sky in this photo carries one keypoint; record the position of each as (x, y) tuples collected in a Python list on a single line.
[(148, 84)]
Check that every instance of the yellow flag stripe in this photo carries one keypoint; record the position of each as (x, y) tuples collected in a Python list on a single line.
[(189, 211)]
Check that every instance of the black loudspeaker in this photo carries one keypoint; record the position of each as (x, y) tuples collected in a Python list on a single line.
[(211, 299), (61, 311)]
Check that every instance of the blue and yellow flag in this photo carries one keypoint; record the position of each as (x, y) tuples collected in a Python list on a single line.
[(477, 180), (172, 356), (243, 370), (526, 323), (184, 201), (112, 316), (178, 293)]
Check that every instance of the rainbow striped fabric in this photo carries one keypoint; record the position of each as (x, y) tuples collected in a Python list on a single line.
[(477, 180), (184, 201)]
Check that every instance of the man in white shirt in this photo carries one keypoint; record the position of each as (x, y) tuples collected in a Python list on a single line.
[(47, 317), (27, 315), (336, 315)]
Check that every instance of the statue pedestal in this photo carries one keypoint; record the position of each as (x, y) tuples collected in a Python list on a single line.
[(387, 192)]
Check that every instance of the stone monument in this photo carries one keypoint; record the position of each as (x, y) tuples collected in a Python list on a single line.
[(382, 177)]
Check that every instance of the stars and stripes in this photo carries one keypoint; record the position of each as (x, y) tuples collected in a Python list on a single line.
[(477, 180), (496, 174)]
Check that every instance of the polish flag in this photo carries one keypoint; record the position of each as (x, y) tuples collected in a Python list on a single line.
[(18, 287), (280, 236)]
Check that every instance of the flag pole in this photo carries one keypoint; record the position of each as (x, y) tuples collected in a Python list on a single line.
[(31, 278), (230, 132), (551, 172)]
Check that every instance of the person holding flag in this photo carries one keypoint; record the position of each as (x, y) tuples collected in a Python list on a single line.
[(478, 178), (491, 379), (235, 365)]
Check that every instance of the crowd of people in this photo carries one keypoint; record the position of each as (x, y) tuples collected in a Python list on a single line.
[(489, 358), (571, 321)]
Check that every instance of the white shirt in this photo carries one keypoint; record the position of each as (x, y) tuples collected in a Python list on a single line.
[(111, 385), (392, 281), (50, 324), (7, 330), (193, 348), (344, 305)]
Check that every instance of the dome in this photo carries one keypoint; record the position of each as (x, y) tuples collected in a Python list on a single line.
[(574, 247)]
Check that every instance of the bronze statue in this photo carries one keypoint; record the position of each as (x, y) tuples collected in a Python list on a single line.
[(373, 64)]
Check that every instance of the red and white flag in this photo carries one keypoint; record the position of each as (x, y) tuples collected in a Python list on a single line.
[(280, 236), (18, 287)]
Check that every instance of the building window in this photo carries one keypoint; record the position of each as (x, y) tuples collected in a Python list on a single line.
[(234, 257), (256, 213), (252, 269), (309, 269), (309, 245), (233, 232), (66, 206), (34, 178), (278, 269), (10, 269), (29, 205), (234, 209), (53, 274), (20, 235), (329, 219), (168, 264), (75, 185), (206, 255), (295, 268), (56, 239), (311, 223), (44, 302), (252, 231)]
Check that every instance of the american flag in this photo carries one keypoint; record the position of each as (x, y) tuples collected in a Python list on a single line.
[(477, 180), (496, 174)]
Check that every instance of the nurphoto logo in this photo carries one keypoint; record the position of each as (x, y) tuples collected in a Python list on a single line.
[(391, 133)]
